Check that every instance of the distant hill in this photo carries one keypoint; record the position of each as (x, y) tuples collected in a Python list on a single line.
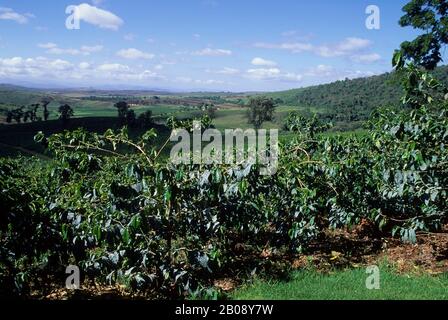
[(346, 101), (17, 95), (350, 100)]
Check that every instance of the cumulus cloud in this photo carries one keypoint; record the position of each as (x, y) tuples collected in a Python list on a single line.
[(328, 73), (113, 67), (98, 17), (366, 58), (92, 49), (212, 52), (224, 71), (198, 81), (53, 48), (321, 70), (121, 72), (134, 54), (84, 65), (10, 14), (33, 67), (295, 47), (262, 62), (343, 48), (346, 47), (42, 68), (272, 74)]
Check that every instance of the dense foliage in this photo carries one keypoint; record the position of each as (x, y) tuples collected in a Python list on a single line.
[(107, 204), (431, 17), (351, 100)]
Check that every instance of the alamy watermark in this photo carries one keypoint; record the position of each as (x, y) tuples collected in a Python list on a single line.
[(236, 146), (73, 21), (373, 21), (373, 280), (73, 281)]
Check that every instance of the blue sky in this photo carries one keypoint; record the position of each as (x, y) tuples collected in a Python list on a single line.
[(230, 45)]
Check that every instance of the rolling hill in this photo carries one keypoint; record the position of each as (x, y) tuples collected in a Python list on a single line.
[(350, 100)]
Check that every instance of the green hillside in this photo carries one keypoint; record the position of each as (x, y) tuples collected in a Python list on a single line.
[(350, 100)]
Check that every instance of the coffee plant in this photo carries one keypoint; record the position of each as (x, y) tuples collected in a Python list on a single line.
[(110, 205)]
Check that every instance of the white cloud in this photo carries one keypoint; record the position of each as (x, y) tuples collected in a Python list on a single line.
[(262, 62), (272, 74), (212, 52), (84, 65), (120, 72), (321, 70), (53, 48), (197, 36), (92, 49), (48, 45), (326, 73), (295, 47), (209, 82), (226, 71), (346, 47), (198, 81), (99, 17), (33, 67), (343, 48), (113, 67), (10, 14), (366, 58), (42, 68), (352, 44), (133, 53)]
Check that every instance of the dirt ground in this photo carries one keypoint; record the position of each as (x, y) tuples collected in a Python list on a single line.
[(361, 247)]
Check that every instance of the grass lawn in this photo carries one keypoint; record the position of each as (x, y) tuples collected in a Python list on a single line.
[(347, 285)]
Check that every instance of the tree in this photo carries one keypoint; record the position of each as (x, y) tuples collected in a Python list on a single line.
[(209, 110), (65, 113), (122, 108), (9, 116), (45, 102), (130, 118), (17, 114), (33, 111), (431, 17), (260, 110), (145, 119)]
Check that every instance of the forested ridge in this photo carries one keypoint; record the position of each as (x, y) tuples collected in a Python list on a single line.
[(354, 99)]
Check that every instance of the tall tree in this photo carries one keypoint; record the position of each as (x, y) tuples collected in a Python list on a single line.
[(45, 102), (145, 119), (33, 110), (261, 109), (122, 108), (9, 116), (431, 17), (65, 113)]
